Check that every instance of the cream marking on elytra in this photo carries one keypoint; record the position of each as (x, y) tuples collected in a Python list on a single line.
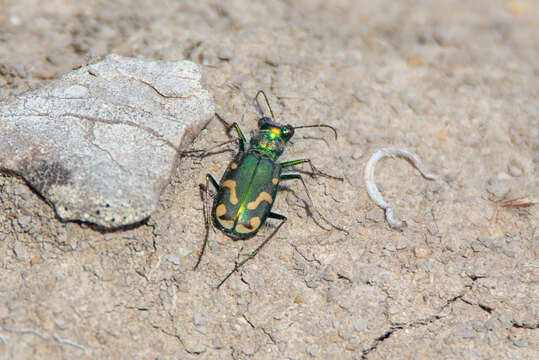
[(255, 223), (263, 196), (227, 224), (221, 210), (231, 184)]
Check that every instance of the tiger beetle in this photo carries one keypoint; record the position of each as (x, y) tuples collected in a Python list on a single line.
[(250, 184)]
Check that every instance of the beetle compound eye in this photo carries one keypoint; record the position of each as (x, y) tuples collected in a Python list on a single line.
[(288, 131), (263, 122)]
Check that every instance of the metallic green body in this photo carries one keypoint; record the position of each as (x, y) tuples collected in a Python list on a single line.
[(247, 191)]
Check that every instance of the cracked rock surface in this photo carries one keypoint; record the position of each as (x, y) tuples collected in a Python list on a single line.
[(452, 81), (101, 142)]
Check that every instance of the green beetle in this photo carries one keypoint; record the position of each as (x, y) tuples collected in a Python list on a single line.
[(248, 188)]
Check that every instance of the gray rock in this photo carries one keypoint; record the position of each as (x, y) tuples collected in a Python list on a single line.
[(101, 142)]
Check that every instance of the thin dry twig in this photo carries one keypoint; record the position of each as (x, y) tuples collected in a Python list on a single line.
[(370, 182)]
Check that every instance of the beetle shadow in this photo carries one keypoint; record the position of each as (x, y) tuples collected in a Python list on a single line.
[(306, 206)]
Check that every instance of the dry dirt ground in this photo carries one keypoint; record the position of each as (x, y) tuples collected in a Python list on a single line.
[(457, 82)]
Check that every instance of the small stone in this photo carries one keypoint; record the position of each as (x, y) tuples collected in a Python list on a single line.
[(390, 247), (15, 20), (357, 154), (225, 54), (36, 260), (198, 319), (18, 250), (521, 342), (375, 215), (333, 238), (61, 238), (361, 97), (25, 222), (515, 171), (100, 337), (313, 350), (415, 62), (73, 243), (518, 7), (498, 188), (422, 252), (490, 324), (60, 323), (360, 324), (509, 253), (273, 61), (442, 135)]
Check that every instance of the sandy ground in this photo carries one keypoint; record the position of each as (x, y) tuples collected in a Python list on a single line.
[(457, 82)]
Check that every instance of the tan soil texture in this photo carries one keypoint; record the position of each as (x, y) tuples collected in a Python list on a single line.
[(457, 82)]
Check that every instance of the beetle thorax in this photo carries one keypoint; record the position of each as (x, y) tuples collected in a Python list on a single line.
[(270, 142)]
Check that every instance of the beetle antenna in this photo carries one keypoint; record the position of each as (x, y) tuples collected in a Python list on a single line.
[(319, 126), (267, 102)]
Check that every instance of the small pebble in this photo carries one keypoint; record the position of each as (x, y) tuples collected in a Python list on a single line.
[(24, 222), (515, 171), (174, 259), (18, 250), (198, 319), (360, 324), (15, 20), (225, 54), (60, 323), (272, 61), (36, 260), (361, 97), (313, 350), (357, 154), (415, 62), (521, 342), (421, 252), (498, 188), (442, 135)]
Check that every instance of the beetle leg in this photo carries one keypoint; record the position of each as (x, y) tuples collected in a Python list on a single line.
[(255, 252), (314, 170), (213, 182), (276, 216), (298, 176), (234, 125), (207, 152), (207, 210)]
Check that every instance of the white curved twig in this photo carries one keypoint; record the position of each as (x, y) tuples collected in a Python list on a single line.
[(370, 183)]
